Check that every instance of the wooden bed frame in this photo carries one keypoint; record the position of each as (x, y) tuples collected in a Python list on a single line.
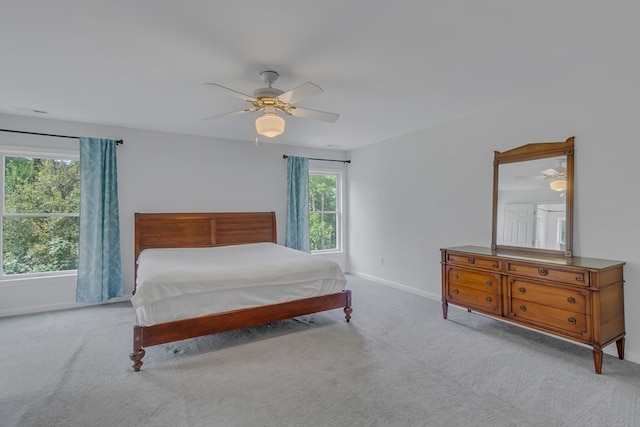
[(189, 230)]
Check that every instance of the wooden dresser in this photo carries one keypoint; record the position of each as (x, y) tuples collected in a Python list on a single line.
[(580, 299)]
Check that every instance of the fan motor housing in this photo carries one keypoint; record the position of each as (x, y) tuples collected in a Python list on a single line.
[(267, 92)]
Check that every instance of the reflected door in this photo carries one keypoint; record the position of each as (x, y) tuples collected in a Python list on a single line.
[(518, 221)]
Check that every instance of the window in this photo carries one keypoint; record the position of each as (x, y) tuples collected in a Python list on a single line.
[(40, 214), (325, 210)]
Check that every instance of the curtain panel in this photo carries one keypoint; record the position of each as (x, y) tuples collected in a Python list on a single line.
[(297, 227), (99, 261)]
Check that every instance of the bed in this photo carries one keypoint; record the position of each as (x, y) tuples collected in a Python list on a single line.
[(189, 266)]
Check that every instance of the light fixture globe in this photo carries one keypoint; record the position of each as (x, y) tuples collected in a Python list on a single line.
[(270, 124), (558, 185)]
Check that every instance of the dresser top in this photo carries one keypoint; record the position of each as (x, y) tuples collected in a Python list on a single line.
[(581, 262)]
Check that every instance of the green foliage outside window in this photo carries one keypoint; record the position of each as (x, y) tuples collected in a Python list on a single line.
[(40, 221), (323, 212)]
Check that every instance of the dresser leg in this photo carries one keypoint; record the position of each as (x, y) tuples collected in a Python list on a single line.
[(620, 345), (597, 359), (445, 308)]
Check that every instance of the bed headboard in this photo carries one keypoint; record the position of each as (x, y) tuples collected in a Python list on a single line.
[(199, 230)]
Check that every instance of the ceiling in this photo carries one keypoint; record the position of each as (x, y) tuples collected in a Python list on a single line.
[(388, 68)]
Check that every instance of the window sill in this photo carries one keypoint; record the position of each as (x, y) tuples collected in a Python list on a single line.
[(336, 252), (21, 281)]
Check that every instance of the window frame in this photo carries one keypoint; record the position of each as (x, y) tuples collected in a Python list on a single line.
[(340, 228), (40, 153)]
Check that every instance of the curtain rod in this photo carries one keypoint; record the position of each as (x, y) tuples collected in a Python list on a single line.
[(284, 156), (118, 142)]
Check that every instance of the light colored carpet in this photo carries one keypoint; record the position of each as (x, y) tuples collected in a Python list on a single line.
[(398, 363)]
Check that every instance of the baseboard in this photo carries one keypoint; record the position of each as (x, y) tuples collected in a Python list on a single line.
[(55, 307), (397, 285)]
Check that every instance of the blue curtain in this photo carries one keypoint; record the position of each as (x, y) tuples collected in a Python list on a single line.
[(99, 262), (297, 230)]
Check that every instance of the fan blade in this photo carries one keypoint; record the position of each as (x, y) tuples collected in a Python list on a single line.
[(299, 93), (520, 178), (233, 113), (232, 92), (550, 172), (314, 114)]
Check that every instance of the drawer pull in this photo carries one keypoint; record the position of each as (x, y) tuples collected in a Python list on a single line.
[(488, 283), (572, 320), (455, 276), (522, 290), (571, 300), (455, 291), (472, 260), (543, 271), (488, 299), (523, 308)]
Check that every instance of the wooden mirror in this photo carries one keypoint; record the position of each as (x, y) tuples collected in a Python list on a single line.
[(533, 199)]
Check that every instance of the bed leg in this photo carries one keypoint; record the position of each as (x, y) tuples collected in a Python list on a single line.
[(347, 309), (138, 352)]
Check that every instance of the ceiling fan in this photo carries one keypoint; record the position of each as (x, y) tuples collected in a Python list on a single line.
[(545, 174), (557, 178), (270, 101)]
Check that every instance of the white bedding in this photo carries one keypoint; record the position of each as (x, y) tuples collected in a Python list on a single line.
[(175, 284)]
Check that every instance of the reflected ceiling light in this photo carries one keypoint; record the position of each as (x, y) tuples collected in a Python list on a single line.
[(270, 124), (558, 185)]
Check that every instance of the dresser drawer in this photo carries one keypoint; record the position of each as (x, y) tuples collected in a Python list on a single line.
[(482, 281), (474, 298), (550, 318), (571, 299), (471, 260), (576, 277)]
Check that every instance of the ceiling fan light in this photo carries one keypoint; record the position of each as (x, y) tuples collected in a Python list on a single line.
[(558, 185), (270, 125)]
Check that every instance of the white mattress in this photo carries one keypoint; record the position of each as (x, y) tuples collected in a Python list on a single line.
[(175, 284)]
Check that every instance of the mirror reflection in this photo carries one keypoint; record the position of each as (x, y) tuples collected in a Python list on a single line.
[(531, 205)]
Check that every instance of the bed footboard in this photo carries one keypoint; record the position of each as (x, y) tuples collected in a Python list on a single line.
[(146, 336)]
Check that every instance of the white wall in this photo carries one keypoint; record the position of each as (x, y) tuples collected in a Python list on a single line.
[(161, 172), (414, 194)]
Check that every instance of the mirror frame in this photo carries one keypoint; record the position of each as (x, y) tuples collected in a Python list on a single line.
[(534, 151)]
